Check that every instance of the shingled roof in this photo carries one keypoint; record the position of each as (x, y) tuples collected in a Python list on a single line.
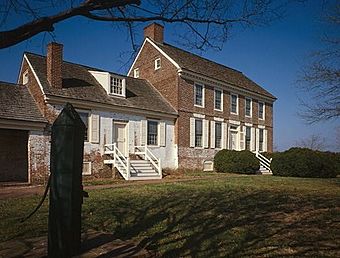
[(202, 66), (78, 83), (16, 103)]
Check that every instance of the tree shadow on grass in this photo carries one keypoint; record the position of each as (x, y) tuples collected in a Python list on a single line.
[(226, 223)]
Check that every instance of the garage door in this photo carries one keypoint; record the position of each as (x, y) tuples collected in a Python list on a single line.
[(13, 155)]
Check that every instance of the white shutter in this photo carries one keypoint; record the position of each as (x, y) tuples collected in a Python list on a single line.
[(205, 133), (252, 139), (242, 137), (162, 134), (265, 141), (224, 135), (94, 132), (143, 132), (257, 140), (192, 132), (212, 134)]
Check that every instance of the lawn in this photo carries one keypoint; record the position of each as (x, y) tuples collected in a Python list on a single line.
[(219, 217)]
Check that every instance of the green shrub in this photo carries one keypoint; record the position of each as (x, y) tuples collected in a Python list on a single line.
[(243, 162), (303, 162)]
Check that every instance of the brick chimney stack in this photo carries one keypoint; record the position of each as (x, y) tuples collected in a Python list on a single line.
[(155, 32), (54, 64)]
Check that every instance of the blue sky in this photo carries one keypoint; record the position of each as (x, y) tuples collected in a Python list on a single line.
[(270, 55)]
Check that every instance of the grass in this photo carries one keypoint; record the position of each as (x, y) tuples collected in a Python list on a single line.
[(218, 217)]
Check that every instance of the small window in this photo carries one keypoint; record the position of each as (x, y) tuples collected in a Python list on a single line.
[(198, 133), (248, 107), (25, 78), (85, 118), (261, 140), (261, 110), (136, 73), (233, 103), (218, 135), (248, 137), (218, 99), (117, 86), (152, 132), (87, 168), (199, 99), (157, 63)]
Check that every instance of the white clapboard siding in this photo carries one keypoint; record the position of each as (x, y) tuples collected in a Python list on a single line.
[(253, 139), (212, 134), (224, 135), (162, 135), (143, 132), (242, 137), (192, 132), (265, 141), (205, 133), (94, 128)]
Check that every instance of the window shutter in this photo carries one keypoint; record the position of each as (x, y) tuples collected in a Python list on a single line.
[(257, 140), (212, 134), (253, 140), (205, 133), (242, 137), (265, 142), (94, 132), (143, 132), (192, 132), (162, 134), (224, 135)]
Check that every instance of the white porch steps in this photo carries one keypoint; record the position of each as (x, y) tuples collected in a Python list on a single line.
[(142, 170), (264, 164)]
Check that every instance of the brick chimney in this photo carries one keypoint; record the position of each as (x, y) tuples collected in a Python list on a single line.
[(154, 31), (54, 63)]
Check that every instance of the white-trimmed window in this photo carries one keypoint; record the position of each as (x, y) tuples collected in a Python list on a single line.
[(117, 86), (234, 104), (152, 137), (198, 133), (248, 109), (218, 135), (261, 110), (157, 63), (248, 138), (87, 167), (199, 95), (85, 117), (25, 78), (261, 139), (218, 100), (136, 73)]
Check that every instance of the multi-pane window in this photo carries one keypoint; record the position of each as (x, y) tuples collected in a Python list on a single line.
[(136, 73), (218, 99), (233, 101), (152, 133), (198, 133), (157, 63), (218, 135), (261, 110), (199, 95), (116, 86), (84, 116), (261, 140), (248, 137), (248, 107)]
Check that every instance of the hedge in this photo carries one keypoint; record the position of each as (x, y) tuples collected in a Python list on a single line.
[(303, 162), (243, 162)]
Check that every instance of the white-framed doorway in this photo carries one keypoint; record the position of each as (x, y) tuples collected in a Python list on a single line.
[(119, 136), (233, 137)]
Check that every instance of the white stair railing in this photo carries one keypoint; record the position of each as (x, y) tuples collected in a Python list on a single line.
[(265, 162), (119, 160), (148, 155)]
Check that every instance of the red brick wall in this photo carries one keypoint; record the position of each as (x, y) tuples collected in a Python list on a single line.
[(54, 62), (155, 32)]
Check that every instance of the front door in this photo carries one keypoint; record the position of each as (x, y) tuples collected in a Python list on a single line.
[(119, 136), (233, 140)]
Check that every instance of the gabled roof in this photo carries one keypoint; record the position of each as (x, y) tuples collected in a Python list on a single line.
[(78, 83), (205, 67), (16, 103)]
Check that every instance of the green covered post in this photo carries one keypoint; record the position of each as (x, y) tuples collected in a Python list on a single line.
[(66, 193)]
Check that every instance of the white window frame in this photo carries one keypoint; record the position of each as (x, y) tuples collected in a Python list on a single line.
[(123, 86), (250, 137), (245, 107), (236, 128), (25, 78), (147, 132), (136, 73), (221, 143), (202, 139), (264, 110), (88, 122), (158, 64), (88, 173), (231, 103), (203, 89), (220, 90)]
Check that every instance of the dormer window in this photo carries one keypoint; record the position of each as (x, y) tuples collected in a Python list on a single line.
[(117, 86), (157, 63)]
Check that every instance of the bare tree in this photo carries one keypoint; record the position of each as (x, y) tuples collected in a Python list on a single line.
[(207, 22), (314, 142), (320, 80)]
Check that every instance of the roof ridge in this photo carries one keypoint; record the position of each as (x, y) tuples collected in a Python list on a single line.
[(200, 56)]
